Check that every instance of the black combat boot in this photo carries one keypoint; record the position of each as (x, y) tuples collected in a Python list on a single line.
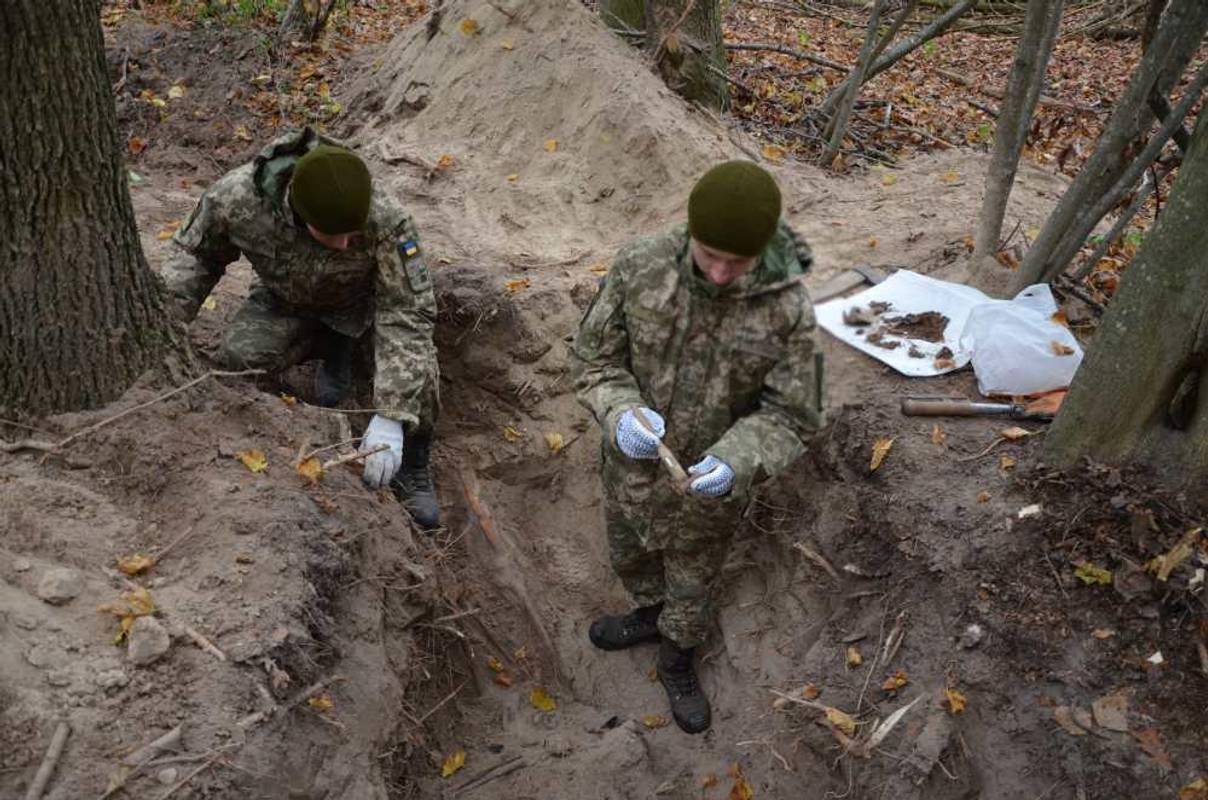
[(625, 630), (414, 482), (335, 373), (689, 705)]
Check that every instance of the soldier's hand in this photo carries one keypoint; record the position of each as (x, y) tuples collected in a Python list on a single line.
[(711, 477), (381, 467), (634, 440)]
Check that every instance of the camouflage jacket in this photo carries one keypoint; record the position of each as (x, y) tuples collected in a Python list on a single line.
[(380, 281), (730, 368)]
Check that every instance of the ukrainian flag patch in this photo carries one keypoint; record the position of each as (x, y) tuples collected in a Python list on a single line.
[(408, 247)]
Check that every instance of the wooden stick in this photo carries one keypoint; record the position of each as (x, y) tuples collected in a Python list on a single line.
[(817, 558), (325, 448), (203, 642), (351, 457), (158, 557), (49, 761), (209, 763), (169, 741), (442, 703), (494, 773), (296, 700), (788, 51)]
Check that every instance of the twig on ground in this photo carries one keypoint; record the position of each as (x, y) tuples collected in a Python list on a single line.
[(500, 770), (325, 448), (162, 554), (788, 51), (658, 51), (298, 699), (894, 640), (1056, 576), (816, 557), (203, 642), (134, 763), (351, 457), (49, 762), (442, 703), (180, 784)]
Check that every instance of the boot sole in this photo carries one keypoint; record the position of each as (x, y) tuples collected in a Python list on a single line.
[(604, 644)]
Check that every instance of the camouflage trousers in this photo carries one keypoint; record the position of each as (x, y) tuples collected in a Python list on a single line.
[(666, 548)]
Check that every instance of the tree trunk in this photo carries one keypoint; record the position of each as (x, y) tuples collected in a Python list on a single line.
[(1023, 90), (1179, 35), (624, 16), (685, 38), (81, 315), (1142, 392), (837, 128)]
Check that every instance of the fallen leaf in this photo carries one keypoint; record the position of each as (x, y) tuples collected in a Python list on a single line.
[(541, 701), (1196, 790), (511, 434), (515, 176), (937, 435), (516, 285), (951, 176), (1111, 711), (983, 497), (653, 721), (741, 790), (1103, 633), (123, 629), (446, 161), (311, 470), (1005, 462), (254, 460), (551, 145), (504, 680), (209, 304), (773, 152), (136, 145), (1065, 718), (872, 241), (169, 228), (176, 91), (895, 681), (1150, 740), (555, 442), (709, 781), (453, 763), (494, 664), (1090, 574), (889, 179), (600, 268), (507, 44), (243, 133), (136, 564), (321, 702), (289, 399), (956, 701), (1060, 349), (1168, 562), (1060, 318), (880, 449), (1015, 433), (841, 721), (970, 243), (468, 26), (944, 363), (307, 71), (810, 691), (1032, 233), (853, 657)]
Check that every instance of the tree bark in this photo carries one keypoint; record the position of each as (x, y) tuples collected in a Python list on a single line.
[(837, 128), (685, 39), (1015, 117), (81, 315), (1142, 393), (1179, 35)]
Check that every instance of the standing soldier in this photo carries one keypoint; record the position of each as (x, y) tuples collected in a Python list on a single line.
[(707, 332), (336, 264)]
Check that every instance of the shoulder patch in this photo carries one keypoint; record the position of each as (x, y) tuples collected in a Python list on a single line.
[(413, 264)]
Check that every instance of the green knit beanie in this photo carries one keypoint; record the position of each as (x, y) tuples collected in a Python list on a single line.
[(330, 190), (735, 208)]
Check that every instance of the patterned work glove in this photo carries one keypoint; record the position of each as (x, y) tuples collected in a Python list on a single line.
[(712, 477), (381, 467), (634, 440)]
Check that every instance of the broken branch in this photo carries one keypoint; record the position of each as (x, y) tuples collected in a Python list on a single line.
[(49, 761)]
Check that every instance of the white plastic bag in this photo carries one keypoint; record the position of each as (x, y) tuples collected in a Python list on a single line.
[(1017, 348)]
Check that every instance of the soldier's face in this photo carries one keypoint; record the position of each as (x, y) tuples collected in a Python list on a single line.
[(718, 266), (332, 241)]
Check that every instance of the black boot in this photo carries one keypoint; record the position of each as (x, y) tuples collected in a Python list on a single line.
[(335, 373), (689, 705), (625, 630), (414, 482)]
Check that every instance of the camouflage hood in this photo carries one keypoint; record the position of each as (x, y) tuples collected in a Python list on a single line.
[(781, 265)]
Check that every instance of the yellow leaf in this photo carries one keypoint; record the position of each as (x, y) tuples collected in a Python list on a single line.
[(468, 26), (243, 133), (253, 459), (741, 790), (810, 691), (516, 285), (896, 681), (136, 564), (135, 603), (872, 241), (555, 442), (653, 721), (1091, 574), (159, 102), (262, 79), (515, 176), (494, 664), (889, 179), (176, 92), (551, 145), (1060, 318), (773, 152), (880, 449), (600, 268), (511, 434), (169, 228), (1015, 433), (956, 701), (983, 497), (541, 701), (1005, 462), (321, 702), (123, 629), (853, 657), (503, 679), (446, 161), (307, 71), (709, 781), (455, 761), (951, 176), (1032, 233), (1196, 790), (289, 399), (1060, 349), (507, 44), (136, 145), (209, 304), (937, 435), (311, 470), (841, 721)]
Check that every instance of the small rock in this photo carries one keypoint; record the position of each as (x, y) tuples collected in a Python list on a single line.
[(22, 565), (112, 679), (972, 636), (167, 776), (25, 623), (45, 656), (59, 678), (148, 641), (1111, 711), (59, 585)]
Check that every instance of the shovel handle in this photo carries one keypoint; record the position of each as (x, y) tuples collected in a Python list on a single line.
[(951, 407)]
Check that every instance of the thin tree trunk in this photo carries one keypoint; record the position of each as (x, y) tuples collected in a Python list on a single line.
[(81, 315), (1142, 392), (685, 39), (837, 127), (1147, 188), (624, 16), (1179, 35), (1015, 117)]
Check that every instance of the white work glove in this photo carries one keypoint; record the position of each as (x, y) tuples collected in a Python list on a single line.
[(712, 477), (380, 468), (634, 440)]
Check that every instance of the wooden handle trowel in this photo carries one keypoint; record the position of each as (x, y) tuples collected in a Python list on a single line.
[(679, 476)]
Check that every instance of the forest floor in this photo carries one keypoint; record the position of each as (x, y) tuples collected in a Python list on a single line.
[(375, 655)]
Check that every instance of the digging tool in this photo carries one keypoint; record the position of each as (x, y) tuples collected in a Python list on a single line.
[(923, 406), (679, 477), (847, 280)]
